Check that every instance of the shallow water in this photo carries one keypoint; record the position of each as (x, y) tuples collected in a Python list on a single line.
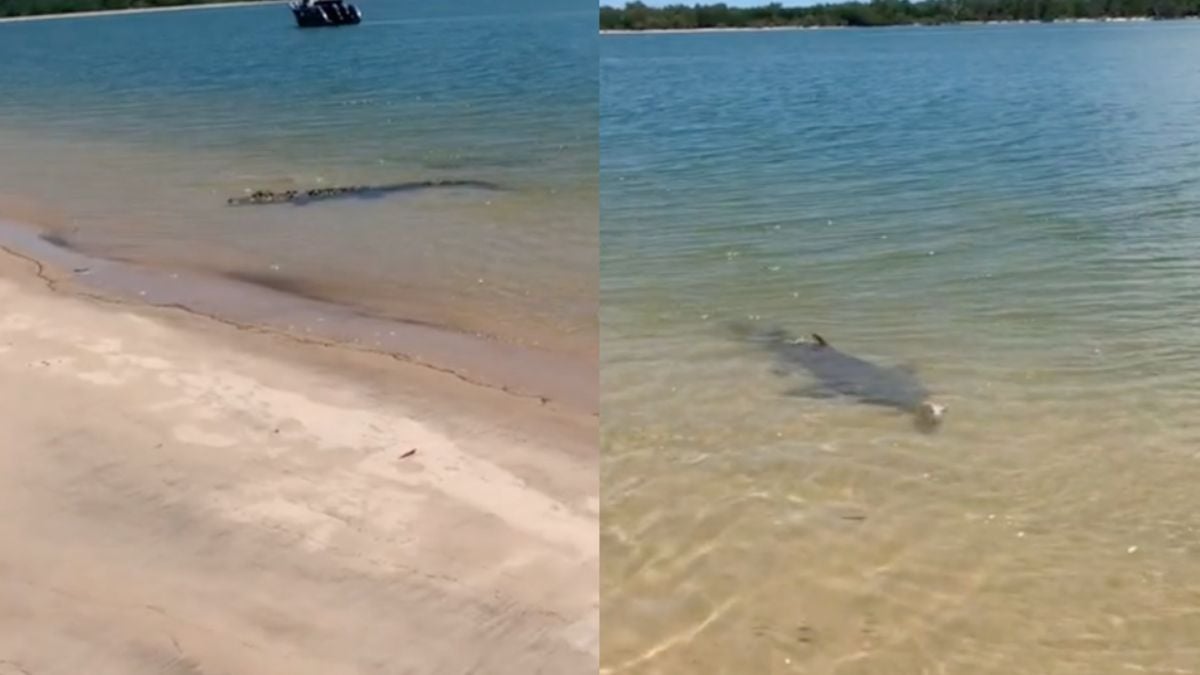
[(126, 135), (1010, 210)]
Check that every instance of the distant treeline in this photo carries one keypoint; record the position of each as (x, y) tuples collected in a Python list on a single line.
[(637, 16), (32, 7)]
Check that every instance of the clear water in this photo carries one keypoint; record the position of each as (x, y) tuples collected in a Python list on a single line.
[(1012, 210), (126, 135)]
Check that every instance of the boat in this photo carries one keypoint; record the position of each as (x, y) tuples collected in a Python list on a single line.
[(318, 13)]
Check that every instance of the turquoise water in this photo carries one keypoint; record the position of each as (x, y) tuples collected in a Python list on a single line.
[(126, 135), (1011, 210)]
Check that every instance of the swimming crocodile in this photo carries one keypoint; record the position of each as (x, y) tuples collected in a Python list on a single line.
[(840, 374), (302, 197)]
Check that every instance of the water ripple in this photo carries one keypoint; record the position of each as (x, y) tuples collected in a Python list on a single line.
[(1010, 210)]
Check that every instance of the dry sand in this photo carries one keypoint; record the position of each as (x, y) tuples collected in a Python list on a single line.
[(181, 496)]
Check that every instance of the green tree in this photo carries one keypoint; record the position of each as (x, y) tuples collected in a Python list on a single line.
[(638, 16)]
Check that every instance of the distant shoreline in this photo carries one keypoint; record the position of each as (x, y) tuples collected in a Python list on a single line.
[(767, 29), (138, 10)]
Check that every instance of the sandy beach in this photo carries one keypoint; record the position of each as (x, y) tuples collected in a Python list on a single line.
[(184, 496), (137, 10)]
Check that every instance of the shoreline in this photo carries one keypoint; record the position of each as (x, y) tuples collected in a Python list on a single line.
[(247, 502), (551, 379), (136, 10), (766, 29)]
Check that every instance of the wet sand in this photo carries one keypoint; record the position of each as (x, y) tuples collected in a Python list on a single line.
[(273, 302), (188, 496)]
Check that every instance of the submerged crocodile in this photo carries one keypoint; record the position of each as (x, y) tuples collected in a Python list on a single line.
[(302, 197), (839, 374)]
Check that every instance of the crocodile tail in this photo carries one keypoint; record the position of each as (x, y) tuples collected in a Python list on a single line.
[(740, 329)]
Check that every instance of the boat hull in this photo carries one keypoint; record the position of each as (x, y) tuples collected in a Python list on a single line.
[(315, 17)]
